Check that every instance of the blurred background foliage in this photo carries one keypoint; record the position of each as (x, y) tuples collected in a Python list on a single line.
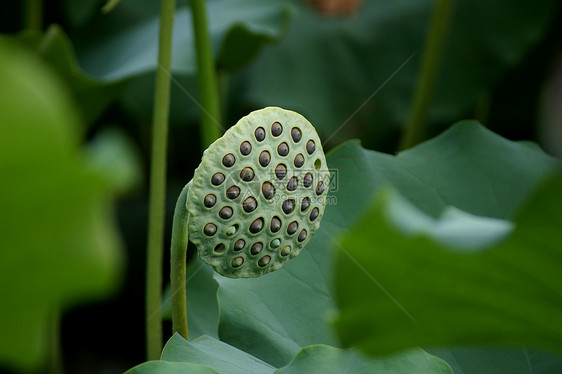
[(350, 69)]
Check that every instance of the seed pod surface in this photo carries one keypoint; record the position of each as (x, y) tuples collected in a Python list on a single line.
[(234, 253)]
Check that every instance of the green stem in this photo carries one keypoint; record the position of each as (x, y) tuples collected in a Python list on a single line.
[(431, 61), (33, 15), (210, 124), (178, 264), (158, 183)]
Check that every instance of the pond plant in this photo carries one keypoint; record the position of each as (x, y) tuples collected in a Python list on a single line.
[(254, 202)]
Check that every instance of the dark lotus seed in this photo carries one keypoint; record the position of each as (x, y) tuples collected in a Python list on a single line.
[(250, 204), (237, 262), (276, 129), (210, 200), (217, 179), (288, 206), (302, 236), (239, 245), (292, 228), (264, 261), (286, 250), (233, 192), (260, 134), (247, 174), (307, 180), (275, 224), (228, 160), (310, 147), (245, 148), (283, 149), (305, 204), (225, 212), (267, 190), (265, 158), (314, 214), (292, 184), (256, 248), (280, 171), (210, 229), (219, 248), (299, 160), (319, 188), (256, 226), (296, 134)]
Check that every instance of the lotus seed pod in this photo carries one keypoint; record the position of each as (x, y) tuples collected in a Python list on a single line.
[(259, 194)]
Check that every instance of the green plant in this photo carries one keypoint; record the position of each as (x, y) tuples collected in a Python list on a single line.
[(254, 202)]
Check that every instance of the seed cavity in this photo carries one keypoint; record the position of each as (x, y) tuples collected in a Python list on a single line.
[(259, 134), (275, 243), (233, 192), (296, 134), (286, 250), (276, 129), (283, 149), (275, 224), (219, 248), (264, 261), (250, 204), (314, 214), (292, 184), (267, 190), (256, 226), (247, 174), (232, 230), (319, 188), (302, 236), (256, 248), (239, 245), (210, 229), (265, 158), (299, 160), (307, 180), (226, 212), (237, 262), (280, 171), (317, 164), (310, 147), (288, 206), (292, 228), (210, 200), (245, 148), (217, 179), (305, 204), (228, 160)]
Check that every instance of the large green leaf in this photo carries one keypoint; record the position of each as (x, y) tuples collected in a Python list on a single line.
[(165, 367), (128, 49), (57, 238), (468, 167), (220, 356), (494, 360), (507, 293), (326, 359), (312, 359), (367, 58)]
